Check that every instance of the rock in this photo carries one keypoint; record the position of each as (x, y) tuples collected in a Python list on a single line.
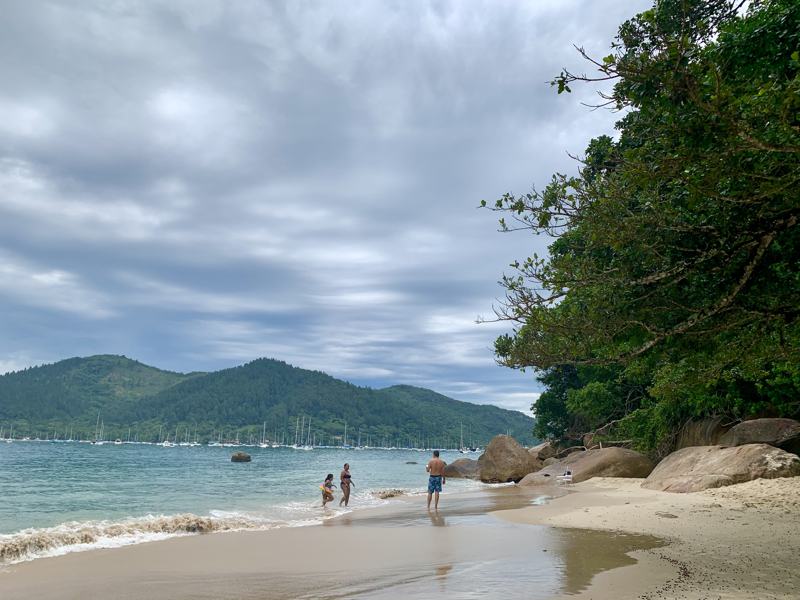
[(385, 494), (549, 461), (240, 457), (505, 460), (466, 468), (567, 451), (703, 467), (411, 462), (705, 432), (599, 462), (543, 451), (781, 433)]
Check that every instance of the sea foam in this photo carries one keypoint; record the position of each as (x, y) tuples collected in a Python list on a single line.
[(76, 536)]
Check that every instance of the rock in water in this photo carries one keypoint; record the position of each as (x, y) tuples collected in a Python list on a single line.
[(781, 433), (466, 468), (240, 457), (703, 467), (505, 460), (386, 494), (600, 462)]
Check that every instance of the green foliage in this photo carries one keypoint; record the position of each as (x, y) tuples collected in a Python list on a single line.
[(72, 388), (676, 259), (235, 403)]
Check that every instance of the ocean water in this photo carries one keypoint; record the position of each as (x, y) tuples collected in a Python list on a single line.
[(64, 497)]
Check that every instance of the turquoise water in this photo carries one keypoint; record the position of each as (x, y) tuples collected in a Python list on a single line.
[(61, 497)]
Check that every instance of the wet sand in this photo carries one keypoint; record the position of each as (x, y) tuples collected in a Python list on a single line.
[(463, 551), (737, 542)]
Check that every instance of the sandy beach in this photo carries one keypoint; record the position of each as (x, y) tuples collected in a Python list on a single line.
[(735, 542), (606, 538)]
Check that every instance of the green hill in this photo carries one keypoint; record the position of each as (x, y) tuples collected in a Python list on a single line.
[(235, 403), (77, 388)]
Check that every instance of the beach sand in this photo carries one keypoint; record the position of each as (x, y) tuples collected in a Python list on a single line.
[(604, 539), (399, 551), (736, 542)]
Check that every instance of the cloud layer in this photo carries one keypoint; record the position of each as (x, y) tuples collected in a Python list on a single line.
[(197, 184)]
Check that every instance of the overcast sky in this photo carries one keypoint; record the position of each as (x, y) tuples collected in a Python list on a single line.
[(196, 184)]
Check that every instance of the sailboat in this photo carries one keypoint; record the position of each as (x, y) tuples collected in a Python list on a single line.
[(10, 435), (101, 441), (358, 444), (264, 443), (461, 448), (166, 443), (345, 444), (307, 444), (298, 435), (275, 443), (98, 432)]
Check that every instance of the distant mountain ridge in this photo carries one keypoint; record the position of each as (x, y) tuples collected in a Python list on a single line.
[(154, 404)]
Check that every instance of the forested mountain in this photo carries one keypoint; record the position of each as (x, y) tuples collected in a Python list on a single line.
[(235, 403), (76, 387)]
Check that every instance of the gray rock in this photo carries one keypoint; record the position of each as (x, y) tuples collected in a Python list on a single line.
[(705, 432), (703, 467), (466, 468), (599, 462), (781, 433), (567, 451), (543, 451), (505, 460)]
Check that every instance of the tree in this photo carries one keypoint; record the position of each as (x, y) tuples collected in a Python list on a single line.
[(676, 255)]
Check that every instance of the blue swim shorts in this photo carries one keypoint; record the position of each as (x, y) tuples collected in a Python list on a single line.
[(434, 483)]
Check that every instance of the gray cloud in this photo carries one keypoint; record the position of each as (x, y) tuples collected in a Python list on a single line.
[(197, 184)]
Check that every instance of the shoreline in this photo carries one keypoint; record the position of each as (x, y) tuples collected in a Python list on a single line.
[(600, 539), (405, 550)]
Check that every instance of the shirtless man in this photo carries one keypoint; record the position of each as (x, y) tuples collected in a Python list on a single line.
[(436, 480)]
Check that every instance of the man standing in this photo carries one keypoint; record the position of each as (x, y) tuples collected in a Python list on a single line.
[(436, 469)]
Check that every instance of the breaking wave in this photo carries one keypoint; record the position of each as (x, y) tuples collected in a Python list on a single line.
[(76, 536)]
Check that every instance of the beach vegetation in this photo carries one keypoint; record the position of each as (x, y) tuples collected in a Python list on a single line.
[(671, 289)]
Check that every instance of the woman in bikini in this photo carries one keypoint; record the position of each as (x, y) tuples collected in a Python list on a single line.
[(345, 481)]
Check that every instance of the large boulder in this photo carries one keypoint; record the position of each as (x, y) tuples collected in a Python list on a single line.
[(240, 457), (703, 467), (599, 462), (543, 451), (505, 460), (571, 450), (466, 468), (703, 432), (781, 433)]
